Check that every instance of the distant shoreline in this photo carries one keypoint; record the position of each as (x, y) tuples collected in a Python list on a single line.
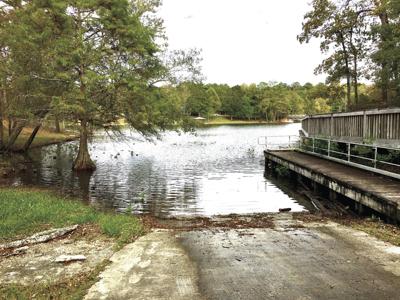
[(225, 121)]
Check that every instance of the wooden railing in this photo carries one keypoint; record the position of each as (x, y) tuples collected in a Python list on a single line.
[(371, 125)]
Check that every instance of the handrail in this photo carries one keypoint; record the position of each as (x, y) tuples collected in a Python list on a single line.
[(316, 149), (279, 141), (353, 143)]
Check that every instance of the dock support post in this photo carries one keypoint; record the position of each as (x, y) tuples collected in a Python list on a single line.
[(315, 187), (332, 195), (267, 163), (359, 208)]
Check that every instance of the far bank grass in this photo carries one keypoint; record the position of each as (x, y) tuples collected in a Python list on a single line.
[(44, 137), (24, 212), (227, 121)]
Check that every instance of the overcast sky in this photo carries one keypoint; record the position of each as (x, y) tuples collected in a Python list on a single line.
[(244, 41)]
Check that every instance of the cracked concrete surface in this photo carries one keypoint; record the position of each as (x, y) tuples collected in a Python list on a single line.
[(154, 267), (319, 261)]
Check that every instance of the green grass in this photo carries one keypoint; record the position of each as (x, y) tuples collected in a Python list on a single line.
[(227, 121), (24, 212), (44, 137)]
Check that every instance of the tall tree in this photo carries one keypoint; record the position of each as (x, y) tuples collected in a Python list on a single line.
[(29, 38), (341, 29), (92, 62), (386, 54), (113, 57)]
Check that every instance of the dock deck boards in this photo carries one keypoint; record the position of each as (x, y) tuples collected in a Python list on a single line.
[(375, 184)]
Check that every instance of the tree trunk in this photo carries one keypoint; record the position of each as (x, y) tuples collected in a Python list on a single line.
[(385, 84), (1, 130), (1, 123), (384, 18), (397, 81), (31, 137), (10, 126), (348, 73), (355, 78), (16, 131), (348, 84), (83, 162), (57, 124)]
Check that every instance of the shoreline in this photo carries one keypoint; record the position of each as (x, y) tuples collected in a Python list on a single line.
[(45, 144), (44, 137), (244, 122)]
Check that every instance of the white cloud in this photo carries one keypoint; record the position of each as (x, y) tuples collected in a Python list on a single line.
[(244, 41)]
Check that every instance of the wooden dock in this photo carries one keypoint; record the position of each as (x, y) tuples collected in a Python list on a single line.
[(377, 192)]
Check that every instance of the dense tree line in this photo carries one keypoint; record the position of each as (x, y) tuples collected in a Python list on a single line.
[(361, 39), (267, 101)]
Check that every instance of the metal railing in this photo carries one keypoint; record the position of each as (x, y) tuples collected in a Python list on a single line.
[(365, 156), (378, 159), (280, 142)]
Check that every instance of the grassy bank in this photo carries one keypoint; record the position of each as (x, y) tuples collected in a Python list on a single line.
[(227, 121), (44, 137), (24, 212)]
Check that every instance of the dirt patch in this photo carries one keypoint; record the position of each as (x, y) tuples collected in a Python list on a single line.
[(11, 165), (382, 231), (38, 266), (70, 288), (197, 223), (374, 227), (310, 218)]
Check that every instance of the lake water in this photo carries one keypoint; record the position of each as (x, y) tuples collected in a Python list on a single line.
[(219, 170)]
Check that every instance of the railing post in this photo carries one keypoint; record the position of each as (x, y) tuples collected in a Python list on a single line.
[(348, 152), (289, 141), (313, 145), (375, 156), (365, 126), (329, 148)]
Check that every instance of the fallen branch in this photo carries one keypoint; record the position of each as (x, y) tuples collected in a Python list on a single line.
[(316, 203), (70, 258), (14, 252), (324, 205), (41, 237)]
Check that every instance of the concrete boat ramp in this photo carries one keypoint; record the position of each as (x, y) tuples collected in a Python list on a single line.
[(290, 260)]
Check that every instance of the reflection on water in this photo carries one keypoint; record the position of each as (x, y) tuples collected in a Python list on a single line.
[(217, 171)]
